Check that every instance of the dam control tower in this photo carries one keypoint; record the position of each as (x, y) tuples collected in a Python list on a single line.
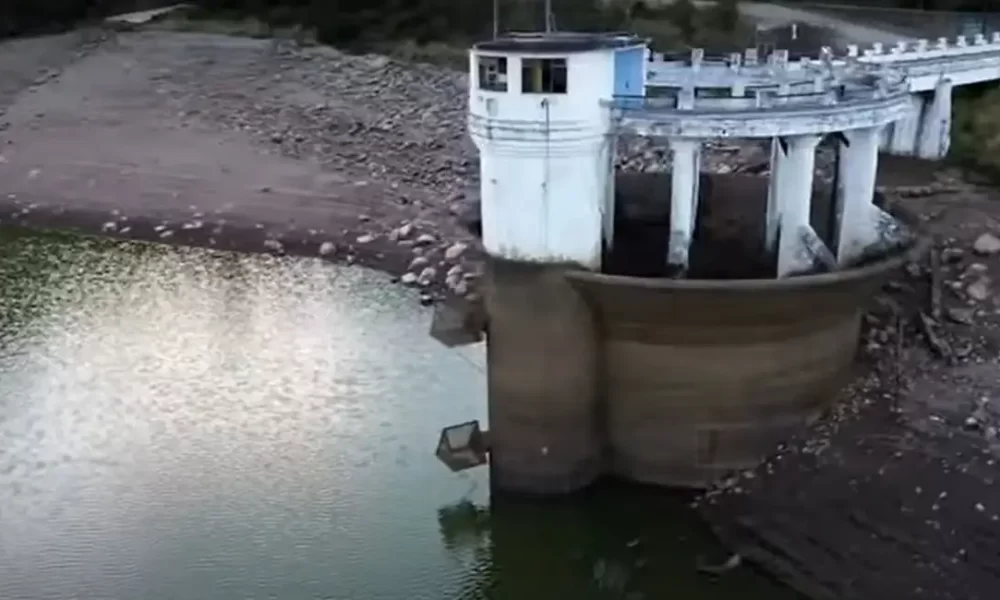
[(671, 377), (547, 202)]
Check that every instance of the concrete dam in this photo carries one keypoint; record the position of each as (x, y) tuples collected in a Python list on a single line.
[(669, 328)]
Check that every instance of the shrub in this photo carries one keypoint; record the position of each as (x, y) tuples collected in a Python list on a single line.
[(975, 132)]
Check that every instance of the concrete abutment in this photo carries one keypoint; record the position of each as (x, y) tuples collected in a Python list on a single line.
[(742, 315)]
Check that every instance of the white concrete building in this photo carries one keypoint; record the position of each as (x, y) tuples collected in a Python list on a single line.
[(546, 156)]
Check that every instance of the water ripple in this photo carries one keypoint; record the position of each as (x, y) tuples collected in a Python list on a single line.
[(195, 425)]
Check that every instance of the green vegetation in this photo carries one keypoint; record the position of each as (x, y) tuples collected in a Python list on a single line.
[(415, 27), (36, 16), (431, 27), (975, 136)]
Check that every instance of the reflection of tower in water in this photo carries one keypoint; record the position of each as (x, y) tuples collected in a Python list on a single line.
[(616, 542)]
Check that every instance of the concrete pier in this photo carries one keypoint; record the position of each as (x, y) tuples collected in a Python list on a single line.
[(935, 124), (684, 199), (792, 186), (862, 225), (542, 381)]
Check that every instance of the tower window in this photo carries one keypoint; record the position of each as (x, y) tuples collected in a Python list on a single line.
[(543, 75), (493, 73)]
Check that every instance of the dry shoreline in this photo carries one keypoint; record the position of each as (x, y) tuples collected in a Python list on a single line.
[(241, 233), (224, 142)]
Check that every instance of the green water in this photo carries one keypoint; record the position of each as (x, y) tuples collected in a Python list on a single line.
[(193, 425)]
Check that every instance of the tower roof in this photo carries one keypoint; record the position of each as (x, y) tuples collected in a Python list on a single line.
[(561, 41)]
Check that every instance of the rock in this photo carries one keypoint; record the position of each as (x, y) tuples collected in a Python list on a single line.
[(986, 244), (978, 290), (426, 239), (454, 251), (376, 61), (401, 232), (417, 263), (963, 316), (365, 239), (426, 299), (952, 255), (327, 248), (914, 270), (408, 278), (273, 245), (454, 271), (427, 276)]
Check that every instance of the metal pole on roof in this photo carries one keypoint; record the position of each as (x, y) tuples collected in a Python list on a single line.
[(496, 18), (548, 16)]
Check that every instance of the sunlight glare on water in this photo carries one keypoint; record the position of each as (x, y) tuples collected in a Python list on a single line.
[(196, 425)]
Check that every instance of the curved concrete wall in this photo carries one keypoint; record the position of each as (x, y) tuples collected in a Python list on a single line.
[(542, 355), (703, 377)]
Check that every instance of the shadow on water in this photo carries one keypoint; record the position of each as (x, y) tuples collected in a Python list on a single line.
[(616, 541), (184, 423)]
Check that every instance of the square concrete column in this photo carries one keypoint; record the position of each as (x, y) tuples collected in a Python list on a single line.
[(905, 133), (790, 196), (610, 150), (683, 200), (773, 214), (935, 126), (860, 224)]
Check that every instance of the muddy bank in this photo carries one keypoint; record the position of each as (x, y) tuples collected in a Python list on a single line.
[(893, 493)]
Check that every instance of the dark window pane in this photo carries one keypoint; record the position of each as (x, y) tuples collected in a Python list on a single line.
[(543, 76), (492, 73)]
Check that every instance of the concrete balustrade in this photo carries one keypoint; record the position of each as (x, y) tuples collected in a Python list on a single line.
[(932, 70), (796, 104)]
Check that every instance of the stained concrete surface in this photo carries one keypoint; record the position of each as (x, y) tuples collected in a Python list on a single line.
[(892, 493)]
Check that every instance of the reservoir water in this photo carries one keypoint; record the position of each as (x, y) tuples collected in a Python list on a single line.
[(185, 424)]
